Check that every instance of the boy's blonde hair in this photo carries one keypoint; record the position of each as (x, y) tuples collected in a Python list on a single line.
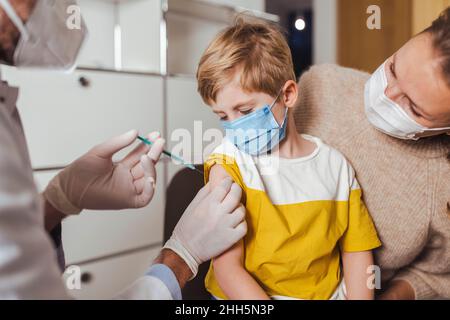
[(259, 48)]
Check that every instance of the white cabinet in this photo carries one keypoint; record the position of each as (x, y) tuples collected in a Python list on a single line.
[(109, 277), (139, 23), (98, 50), (122, 35), (192, 127), (63, 119)]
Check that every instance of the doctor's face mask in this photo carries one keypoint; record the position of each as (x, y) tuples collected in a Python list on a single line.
[(52, 36)]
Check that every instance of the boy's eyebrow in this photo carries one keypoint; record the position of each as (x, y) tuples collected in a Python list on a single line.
[(243, 103), (251, 101)]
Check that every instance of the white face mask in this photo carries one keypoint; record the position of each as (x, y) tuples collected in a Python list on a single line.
[(46, 41), (387, 116)]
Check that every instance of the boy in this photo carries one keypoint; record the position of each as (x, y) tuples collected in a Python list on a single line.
[(305, 214)]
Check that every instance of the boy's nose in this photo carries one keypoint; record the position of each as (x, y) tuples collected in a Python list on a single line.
[(233, 116)]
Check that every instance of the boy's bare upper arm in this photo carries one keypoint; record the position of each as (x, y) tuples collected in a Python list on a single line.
[(216, 174)]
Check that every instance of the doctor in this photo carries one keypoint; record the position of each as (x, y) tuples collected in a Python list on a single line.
[(33, 33)]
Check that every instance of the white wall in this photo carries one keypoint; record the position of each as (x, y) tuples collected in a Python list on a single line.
[(325, 33)]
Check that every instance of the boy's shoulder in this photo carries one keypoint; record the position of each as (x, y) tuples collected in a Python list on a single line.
[(326, 149), (329, 155)]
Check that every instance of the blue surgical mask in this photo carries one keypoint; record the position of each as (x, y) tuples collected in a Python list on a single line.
[(258, 132)]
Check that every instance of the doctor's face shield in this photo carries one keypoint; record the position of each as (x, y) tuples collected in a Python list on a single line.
[(408, 97), (52, 36)]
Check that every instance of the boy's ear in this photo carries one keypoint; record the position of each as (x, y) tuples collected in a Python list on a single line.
[(290, 95)]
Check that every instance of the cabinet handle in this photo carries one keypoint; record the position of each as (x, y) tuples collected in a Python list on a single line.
[(84, 82)]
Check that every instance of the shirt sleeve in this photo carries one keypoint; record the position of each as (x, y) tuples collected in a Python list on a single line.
[(159, 283), (227, 162), (166, 275), (360, 234)]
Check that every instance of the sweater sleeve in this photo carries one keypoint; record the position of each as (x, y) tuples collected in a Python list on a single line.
[(429, 274)]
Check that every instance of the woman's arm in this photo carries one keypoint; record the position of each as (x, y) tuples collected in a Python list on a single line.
[(229, 270), (356, 276)]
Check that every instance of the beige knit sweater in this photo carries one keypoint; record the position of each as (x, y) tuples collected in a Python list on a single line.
[(406, 184)]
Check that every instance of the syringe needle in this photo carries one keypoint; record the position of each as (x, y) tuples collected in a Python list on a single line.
[(170, 155)]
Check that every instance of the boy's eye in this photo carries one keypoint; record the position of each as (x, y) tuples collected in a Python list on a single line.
[(244, 112), (224, 118)]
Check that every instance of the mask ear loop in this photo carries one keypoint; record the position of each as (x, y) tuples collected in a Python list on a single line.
[(273, 103), (11, 13), (276, 98)]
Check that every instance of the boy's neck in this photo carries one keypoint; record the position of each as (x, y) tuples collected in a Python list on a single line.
[(294, 145)]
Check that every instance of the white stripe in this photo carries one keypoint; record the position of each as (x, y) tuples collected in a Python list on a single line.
[(323, 175)]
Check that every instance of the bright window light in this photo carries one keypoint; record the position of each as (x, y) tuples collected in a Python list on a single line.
[(300, 24)]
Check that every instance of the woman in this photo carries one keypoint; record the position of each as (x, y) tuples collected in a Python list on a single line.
[(393, 127)]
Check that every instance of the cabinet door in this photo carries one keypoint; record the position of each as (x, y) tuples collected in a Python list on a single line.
[(64, 115)]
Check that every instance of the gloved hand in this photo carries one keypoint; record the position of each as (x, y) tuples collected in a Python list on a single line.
[(95, 182), (211, 224)]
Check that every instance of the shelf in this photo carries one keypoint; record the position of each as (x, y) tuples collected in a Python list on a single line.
[(213, 11), (133, 72)]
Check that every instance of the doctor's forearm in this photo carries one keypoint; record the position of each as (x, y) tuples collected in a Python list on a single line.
[(181, 270)]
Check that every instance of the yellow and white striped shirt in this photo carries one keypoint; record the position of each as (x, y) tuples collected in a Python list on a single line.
[(300, 213)]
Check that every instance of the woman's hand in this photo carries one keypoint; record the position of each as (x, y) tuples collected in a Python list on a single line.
[(398, 290)]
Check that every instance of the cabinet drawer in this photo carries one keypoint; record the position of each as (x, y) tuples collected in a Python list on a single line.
[(64, 115)]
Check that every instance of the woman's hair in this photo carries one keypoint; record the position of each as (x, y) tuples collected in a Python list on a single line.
[(440, 32)]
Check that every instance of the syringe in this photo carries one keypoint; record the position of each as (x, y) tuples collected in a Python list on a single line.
[(172, 156)]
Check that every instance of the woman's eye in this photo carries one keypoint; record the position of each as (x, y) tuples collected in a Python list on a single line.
[(413, 110), (391, 68), (224, 118)]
